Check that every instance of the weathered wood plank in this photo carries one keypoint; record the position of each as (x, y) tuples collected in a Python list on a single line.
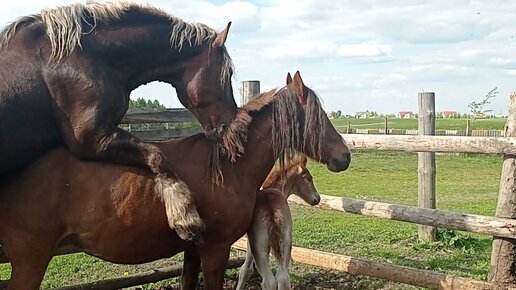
[(248, 89), (407, 143), (401, 274), (166, 134), (426, 162), (165, 116), (458, 221), (503, 255)]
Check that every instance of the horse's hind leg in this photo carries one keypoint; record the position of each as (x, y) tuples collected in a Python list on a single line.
[(88, 112), (283, 258), (29, 263), (282, 274), (260, 249), (247, 268), (191, 269)]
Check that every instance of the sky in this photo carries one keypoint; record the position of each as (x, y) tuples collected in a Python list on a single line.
[(357, 55)]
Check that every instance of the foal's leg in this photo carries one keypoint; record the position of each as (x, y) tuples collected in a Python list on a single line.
[(191, 269), (260, 248), (214, 260), (89, 104), (247, 268), (282, 274)]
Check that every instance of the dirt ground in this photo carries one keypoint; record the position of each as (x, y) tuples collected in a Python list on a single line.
[(316, 279)]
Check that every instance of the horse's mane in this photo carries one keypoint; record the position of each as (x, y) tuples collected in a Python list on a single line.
[(287, 132), (65, 26), (277, 172)]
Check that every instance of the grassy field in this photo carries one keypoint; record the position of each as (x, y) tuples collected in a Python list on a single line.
[(465, 183), (440, 124)]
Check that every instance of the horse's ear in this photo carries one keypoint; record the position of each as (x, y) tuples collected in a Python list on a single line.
[(222, 36), (299, 87), (289, 79), (303, 160)]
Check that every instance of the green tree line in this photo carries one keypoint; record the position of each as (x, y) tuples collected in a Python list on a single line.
[(141, 103)]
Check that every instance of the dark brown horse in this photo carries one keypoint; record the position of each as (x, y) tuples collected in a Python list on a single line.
[(66, 75), (114, 212)]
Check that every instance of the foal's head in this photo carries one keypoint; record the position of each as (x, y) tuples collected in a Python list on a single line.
[(296, 179)]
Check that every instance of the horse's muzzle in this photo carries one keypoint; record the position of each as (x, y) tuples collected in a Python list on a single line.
[(340, 164), (215, 134)]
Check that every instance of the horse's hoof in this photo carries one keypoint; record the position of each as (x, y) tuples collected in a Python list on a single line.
[(191, 236)]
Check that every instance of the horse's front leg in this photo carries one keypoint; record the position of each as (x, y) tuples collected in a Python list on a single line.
[(191, 269), (214, 260), (88, 108), (29, 258)]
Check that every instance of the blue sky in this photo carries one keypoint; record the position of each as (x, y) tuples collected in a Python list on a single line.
[(357, 55)]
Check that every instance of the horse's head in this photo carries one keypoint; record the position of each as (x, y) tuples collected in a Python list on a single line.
[(321, 141), (299, 181), (204, 87)]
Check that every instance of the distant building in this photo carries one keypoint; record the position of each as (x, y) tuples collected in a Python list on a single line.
[(450, 114), (406, 115)]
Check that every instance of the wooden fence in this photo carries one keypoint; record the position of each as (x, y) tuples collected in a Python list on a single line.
[(475, 133), (502, 227)]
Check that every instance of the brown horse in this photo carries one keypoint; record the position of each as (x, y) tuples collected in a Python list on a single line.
[(66, 75), (271, 227), (114, 212)]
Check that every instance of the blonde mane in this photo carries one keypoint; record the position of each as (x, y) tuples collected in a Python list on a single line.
[(65, 26)]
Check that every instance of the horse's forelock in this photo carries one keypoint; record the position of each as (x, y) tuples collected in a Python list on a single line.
[(291, 131)]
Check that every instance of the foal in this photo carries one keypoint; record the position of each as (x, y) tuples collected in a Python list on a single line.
[(271, 227)]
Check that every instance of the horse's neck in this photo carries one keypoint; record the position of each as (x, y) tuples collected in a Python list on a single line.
[(258, 158), (282, 185), (149, 46)]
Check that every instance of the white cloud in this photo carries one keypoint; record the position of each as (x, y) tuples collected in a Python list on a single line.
[(364, 50)]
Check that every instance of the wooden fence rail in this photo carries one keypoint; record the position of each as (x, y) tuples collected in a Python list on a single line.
[(502, 227), (448, 144), (401, 274)]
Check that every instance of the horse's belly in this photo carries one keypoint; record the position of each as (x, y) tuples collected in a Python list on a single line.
[(134, 245)]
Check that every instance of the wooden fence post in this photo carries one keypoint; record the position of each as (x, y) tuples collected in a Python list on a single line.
[(503, 255), (426, 162), (348, 129), (468, 127), (248, 89), (386, 127)]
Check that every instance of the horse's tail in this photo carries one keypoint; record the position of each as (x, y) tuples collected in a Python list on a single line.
[(278, 220)]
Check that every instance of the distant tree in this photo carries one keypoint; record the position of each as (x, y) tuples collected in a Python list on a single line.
[(142, 104), (477, 108)]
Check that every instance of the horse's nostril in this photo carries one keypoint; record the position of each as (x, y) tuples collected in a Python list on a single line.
[(211, 134)]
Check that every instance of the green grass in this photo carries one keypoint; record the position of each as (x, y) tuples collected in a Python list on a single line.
[(465, 183), (440, 124)]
